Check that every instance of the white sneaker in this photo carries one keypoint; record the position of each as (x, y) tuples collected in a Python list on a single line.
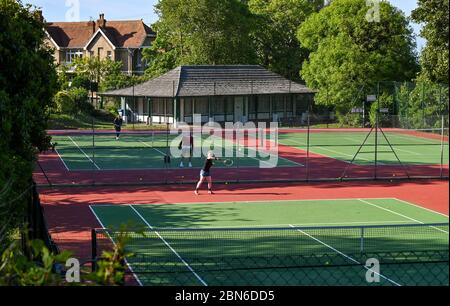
[(190, 165), (181, 165)]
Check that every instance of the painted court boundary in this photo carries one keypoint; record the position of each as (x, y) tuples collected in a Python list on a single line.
[(365, 201)]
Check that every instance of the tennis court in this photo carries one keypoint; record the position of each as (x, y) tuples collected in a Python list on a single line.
[(308, 242), (412, 147), (139, 151)]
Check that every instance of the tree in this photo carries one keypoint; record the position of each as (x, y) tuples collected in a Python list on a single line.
[(434, 57), (349, 53), (106, 72), (28, 82), (275, 33), (200, 32)]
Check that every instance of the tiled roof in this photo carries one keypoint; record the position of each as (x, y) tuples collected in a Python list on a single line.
[(189, 81), (123, 34)]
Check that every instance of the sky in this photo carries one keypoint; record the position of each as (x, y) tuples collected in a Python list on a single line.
[(62, 10)]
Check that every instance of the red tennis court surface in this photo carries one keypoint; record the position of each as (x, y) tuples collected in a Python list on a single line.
[(70, 219)]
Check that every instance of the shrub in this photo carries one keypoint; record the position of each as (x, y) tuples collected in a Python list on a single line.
[(81, 81), (73, 102)]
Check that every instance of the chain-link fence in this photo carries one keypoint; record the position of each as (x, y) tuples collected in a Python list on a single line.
[(387, 131)]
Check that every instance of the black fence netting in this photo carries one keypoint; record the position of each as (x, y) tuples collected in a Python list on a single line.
[(408, 255), (388, 131)]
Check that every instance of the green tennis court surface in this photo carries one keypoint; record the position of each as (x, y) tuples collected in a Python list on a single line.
[(411, 147), (321, 242), (137, 152)]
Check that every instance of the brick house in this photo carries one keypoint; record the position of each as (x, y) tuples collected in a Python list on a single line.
[(118, 40)]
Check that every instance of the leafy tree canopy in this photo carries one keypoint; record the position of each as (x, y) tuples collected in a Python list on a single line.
[(28, 82), (348, 52), (275, 33), (200, 32), (434, 59)]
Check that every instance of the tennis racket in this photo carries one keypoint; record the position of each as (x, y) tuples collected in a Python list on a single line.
[(226, 162)]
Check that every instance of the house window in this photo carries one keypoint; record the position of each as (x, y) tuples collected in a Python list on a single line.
[(138, 59), (99, 52), (109, 55), (72, 54)]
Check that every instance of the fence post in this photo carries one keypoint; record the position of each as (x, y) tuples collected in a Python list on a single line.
[(94, 249), (442, 146), (361, 246), (377, 122)]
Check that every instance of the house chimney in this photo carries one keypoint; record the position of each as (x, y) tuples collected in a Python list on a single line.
[(91, 25), (102, 21)]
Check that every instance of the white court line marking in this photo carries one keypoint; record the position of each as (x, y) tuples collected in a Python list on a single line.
[(414, 138), (160, 152), (234, 145), (344, 255), (407, 151), (401, 215), (62, 160), (252, 202), (424, 208), (84, 153), (112, 240), (169, 246), (337, 152)]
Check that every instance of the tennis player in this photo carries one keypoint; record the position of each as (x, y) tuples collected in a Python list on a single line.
[(205, 173), (118, 122), (187, 148)]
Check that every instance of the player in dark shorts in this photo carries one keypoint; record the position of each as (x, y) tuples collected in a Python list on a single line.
[(187, 147), (118, 122), (205, 173)]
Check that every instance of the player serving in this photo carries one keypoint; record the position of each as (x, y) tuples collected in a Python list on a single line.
[(205, 173), (187, 147)]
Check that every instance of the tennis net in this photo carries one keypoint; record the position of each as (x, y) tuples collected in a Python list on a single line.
[(219, 246)]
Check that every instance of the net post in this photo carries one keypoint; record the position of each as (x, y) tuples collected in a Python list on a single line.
[(94, 249)]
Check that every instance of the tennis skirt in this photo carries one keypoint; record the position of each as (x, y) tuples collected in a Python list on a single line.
[(204, 173)]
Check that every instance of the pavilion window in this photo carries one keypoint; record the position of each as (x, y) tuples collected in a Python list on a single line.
[(218, 106), (201, 106), (229, 106), (145, 107), (289, 107), (158, 107), (278, 104), (169, 107)]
